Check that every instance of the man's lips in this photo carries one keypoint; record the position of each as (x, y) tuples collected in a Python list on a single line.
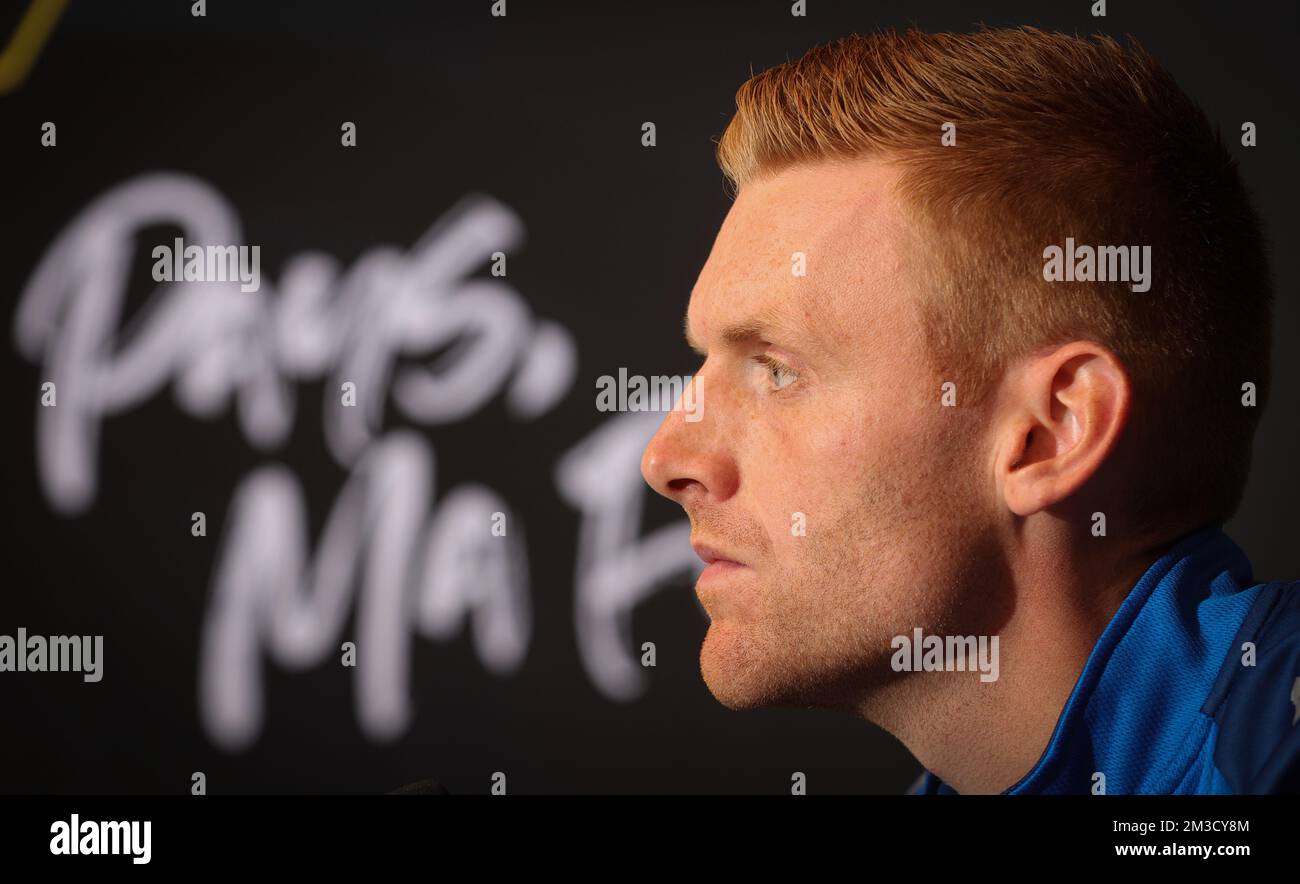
[(722, 569), (711, 554)]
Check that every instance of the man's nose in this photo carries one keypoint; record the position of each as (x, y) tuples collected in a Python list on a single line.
[(690, 460)]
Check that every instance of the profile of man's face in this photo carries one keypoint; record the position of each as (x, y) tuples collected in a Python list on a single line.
[(857, 506)]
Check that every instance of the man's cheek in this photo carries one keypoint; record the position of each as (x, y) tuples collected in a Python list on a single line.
[(797, 500), (844, 444), (796, 523)]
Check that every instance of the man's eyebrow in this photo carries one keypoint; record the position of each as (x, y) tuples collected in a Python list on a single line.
[(764, 326)]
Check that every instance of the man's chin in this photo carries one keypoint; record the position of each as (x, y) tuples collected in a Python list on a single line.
[(742, 671), (734, 670)]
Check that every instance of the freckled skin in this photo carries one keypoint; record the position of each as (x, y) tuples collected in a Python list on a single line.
[(891, 485)]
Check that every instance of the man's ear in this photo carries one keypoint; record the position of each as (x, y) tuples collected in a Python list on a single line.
[(1061, 418)]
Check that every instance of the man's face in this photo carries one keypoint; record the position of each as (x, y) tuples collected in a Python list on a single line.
[(824, 464)]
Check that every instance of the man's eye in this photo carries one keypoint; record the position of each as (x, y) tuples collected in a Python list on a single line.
[(782, 375)]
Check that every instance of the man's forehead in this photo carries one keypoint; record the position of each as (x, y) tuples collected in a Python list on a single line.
[(808, 254)]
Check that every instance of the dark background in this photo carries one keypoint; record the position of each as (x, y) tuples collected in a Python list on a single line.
[(541, 110)]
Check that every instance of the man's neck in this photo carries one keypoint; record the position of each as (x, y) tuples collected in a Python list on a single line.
[(984, 737)]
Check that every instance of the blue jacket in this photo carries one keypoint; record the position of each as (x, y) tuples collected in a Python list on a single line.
[(1168, 701)]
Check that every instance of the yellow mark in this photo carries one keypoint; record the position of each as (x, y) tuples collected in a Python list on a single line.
[(33, 30)]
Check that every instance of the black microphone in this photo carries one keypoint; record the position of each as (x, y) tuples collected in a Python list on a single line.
[(421, 787)]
